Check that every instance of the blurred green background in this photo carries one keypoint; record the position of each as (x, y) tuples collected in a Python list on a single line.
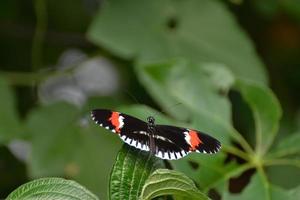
[(60, 59)]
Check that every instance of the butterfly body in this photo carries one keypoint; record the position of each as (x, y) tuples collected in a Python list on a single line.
[(163, 141)]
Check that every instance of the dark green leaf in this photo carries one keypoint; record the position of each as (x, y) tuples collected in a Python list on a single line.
[(266, 111), (52, 188), (168, 182), (131, 169), (197, 30)]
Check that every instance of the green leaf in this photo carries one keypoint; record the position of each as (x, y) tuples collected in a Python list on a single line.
[(10, 126), (169, 182), (260, 189), (154, 78), (131, 169), (54, 136), (168, 82), (288, 145), (64, 143), (208, 170), (197, 30), (195, 89), (94, 158), (266, 111), (51, 188)]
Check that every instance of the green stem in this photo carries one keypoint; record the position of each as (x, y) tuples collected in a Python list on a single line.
[(236, 152), (31, 78), (239, 138), (290, 162), (265, 180), (39, 35)]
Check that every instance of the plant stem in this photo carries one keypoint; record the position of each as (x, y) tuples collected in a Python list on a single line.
[(235, 151), (39, 35), (239, 138), (291, 162)]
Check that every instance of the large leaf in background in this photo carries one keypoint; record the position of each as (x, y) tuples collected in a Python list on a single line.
[(54, 137), (197, 30), (266, 112), (260, 189), (168, 182), (10, 124), (196, 89), (130, 171), (52, 188)]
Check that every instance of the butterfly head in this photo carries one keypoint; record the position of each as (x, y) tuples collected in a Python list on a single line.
[(151, 120)]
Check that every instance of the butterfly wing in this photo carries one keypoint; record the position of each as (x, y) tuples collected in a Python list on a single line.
[(175, 142), (131, 130), (171, 142)]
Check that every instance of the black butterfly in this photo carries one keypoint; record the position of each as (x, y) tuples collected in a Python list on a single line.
[(166, 142)]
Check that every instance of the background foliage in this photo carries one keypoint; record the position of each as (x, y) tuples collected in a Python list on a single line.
[(232, 65)]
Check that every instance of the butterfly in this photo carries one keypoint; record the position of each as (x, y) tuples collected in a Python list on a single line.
[(163, 141)]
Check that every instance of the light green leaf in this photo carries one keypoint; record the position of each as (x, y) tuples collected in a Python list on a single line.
[(266, 111), (288, 145), (130, 171), (51, 188), (196, 30), (201, 102), (154, 78), (168, 182), (195, 89), (10, 126)]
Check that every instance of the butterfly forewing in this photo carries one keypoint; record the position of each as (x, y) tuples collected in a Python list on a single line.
[(131, 130)]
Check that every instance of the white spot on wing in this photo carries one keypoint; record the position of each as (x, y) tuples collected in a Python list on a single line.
[(159, 154), (178, 155), (172, 154), (166, 155), (187, 137), (139, 145), (121, 121), (123, 137)]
